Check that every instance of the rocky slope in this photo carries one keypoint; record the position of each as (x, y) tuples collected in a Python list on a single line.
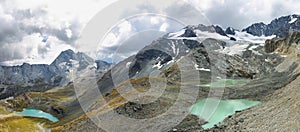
[(287, 45), (280, 110)]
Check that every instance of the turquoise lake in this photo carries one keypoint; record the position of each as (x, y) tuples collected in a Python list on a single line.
[(215, 111), (37, 113)]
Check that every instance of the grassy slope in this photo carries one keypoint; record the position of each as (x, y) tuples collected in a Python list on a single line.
[(10, 122)]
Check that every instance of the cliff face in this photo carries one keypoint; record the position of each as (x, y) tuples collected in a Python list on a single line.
[(25, 74), (25, 78), (280, 27), (287, 45)]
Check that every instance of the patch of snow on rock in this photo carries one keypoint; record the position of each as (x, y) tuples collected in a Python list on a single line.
[(177, 34), (236, 49), (252, 48), (158, 65), (200, 69), (128, 64), (293, 20), (204, 34)]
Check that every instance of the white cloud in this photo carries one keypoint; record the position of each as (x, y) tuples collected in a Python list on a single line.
[(32, 50), (164, 27), (117, 41), (125, 27), (22, 24), (154, 20), (62, 21), (69, 33)]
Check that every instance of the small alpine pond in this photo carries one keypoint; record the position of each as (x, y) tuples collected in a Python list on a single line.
[(37, 113), (215, 111)]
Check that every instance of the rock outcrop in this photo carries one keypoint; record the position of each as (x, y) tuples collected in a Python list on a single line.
[(230, 31), (287, 45)]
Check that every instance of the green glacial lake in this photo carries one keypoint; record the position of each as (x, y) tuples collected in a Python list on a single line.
[(215, 111), (224, 83), (37, 113)]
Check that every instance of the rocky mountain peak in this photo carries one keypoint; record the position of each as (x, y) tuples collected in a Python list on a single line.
[(102, 65), (190, 30), (49, 76), (230, 31), (25, 65), (257, 29), (280, 27), (65, 56)]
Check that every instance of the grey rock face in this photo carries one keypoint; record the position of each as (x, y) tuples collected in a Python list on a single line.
[(230, 31), (257, 29), (289, 44), (280, 27), (190, 30), (102, 65), (40, 77)]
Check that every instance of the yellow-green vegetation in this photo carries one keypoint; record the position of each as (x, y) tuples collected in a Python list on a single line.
[(22, 124), (42, 100), (54, 98), (171, 71), (62, 94), (11, 122), (3, 111)]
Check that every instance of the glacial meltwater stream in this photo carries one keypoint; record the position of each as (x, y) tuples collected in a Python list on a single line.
[(37, 113)]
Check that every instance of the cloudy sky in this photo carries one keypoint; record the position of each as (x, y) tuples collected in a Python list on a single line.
[(36, 31)]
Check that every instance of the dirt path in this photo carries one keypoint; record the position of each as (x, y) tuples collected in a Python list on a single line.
[(12, 115)]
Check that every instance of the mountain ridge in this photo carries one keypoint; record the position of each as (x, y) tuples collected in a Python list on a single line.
[(280, 27), (55, 74)]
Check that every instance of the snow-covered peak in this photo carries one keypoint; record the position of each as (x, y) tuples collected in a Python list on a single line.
[(199, 31), (206, 34), (176, 34)]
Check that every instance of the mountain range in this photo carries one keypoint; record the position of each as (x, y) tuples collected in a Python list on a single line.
[(18, 79), (263, 56)]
